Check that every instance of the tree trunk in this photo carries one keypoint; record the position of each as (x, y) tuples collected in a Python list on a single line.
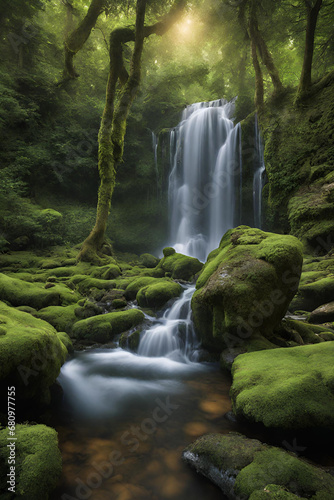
[(312, 18), (113, 123), (258, 77), (265, 54), (112, 130), (76, 39)]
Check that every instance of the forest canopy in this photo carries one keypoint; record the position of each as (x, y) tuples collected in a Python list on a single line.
[(55, 60)]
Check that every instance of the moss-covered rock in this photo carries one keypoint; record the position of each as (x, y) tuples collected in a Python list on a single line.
[(31, 354), (85, 284), (299, 164), (19, 293), (130, 340), (179, 266), (323, 314), (108, 272), (148, 260), (61, 318), (168, 251), (245, 287), (286, 388), (136, 284), (245, 468), (38, 462), (157, 294), (105, 327), (314, 294)]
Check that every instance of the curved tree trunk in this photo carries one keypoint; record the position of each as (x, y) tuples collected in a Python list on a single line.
[(76, 39), (113, 123), (312, 18)]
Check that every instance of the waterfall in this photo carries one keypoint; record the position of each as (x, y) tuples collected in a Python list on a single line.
[(204, 184), (173, 335), (259, 169)]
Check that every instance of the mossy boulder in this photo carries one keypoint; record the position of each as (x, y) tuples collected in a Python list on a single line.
[(136, 284), (108, 272), (245, 287), (61, 318), (38, 462), (130, 340), (31, 354), (105, 327), (179, 266), (23, 293), (148, 260), (85, 284), (156, 295), (323, 314), (246, 468), (314, 294), (286, 388)]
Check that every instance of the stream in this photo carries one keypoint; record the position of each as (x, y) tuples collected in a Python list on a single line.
[(126, 417)]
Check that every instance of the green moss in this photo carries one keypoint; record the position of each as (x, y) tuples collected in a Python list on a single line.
[(31, 354), (61, 318), (105, 327), (130, 340), (148, 260), (246, 468), (85, 284), (180, 266), (66, 340), (288, 388), (19, 293), (134, 286), (275, 466), (38, 461), (273, 492), (157, 294), (108, 272), (313, 295), (245, 287), (168, 251)]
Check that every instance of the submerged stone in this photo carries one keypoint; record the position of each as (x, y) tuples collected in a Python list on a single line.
[(246, 468)]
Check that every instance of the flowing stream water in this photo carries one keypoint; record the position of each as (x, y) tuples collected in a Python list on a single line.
[(127, 417), (258, 181)]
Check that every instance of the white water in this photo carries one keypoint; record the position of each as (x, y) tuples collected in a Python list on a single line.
[(104, 383), (258, 177), (205, 177)]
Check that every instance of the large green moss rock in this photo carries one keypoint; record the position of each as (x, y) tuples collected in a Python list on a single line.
[(38, 462), (286, 388), (245, 287), (105, 327), (157, 294), (31, 353), (245, 468), (314, 294), (22, 293), (61, 318), (179, 266)]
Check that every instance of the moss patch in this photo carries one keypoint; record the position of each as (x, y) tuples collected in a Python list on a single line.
[(287, 388), (31, 353), (105, 327), (179, 266), (38, 462), (156, 295), (245, 287)]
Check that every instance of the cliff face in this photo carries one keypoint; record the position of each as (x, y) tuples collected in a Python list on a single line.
[(299, 158)]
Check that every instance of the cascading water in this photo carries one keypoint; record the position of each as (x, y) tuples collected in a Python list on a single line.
[(259, 170), (204, 184)]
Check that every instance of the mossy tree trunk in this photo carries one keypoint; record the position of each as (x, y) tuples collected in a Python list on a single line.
[(266, 57), (312, 9), (259, 92), (113, 123), (75, 40)]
